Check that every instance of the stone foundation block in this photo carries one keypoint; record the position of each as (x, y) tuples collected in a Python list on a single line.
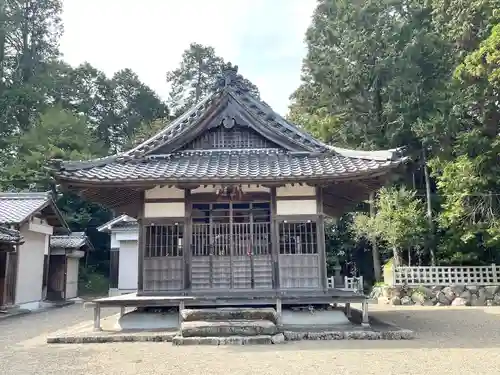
[(231, 340), (190, 315), (228, 328)]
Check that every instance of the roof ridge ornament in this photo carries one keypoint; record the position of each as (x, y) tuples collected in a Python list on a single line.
[(230, 78)]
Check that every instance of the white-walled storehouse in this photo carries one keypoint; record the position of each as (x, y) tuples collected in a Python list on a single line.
[(44, 264), (35, 216), (124, 234)]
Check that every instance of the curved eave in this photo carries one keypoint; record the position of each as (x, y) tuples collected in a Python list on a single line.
[(359, 175)]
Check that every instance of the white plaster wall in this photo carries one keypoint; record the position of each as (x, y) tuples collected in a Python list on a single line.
[(296, 190), (296, 207), (128, 266), (30, 268), (170, 209), (163, 192), (72, 277), (127, 236), (114, 242)]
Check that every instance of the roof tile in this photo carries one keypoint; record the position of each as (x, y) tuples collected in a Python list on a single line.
[(74, 240), (230, 165), (17, 207), (10, 236)]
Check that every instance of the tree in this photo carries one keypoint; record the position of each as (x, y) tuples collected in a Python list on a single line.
[(136, 103), (145, 131), (197, 74), (58, 134), (399, 221)]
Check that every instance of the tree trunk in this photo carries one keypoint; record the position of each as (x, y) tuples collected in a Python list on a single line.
[(198, 83), (397, 257), (3, 33), (377, 270), (430, 241)]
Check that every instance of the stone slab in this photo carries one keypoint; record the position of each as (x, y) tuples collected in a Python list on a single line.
[(231, 340), (105, 337), (228, 328), (136, 320), (317, 319), (350, 335), (189, 315)]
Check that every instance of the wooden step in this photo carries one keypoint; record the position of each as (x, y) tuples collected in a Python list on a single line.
[(223, 314), (227, 328)]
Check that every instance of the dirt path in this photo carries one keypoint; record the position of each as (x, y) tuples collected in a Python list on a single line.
[(452, 341)]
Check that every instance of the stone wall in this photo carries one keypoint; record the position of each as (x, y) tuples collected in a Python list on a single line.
[(454, 295)]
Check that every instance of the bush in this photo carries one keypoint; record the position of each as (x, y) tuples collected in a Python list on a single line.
[(92, 283)]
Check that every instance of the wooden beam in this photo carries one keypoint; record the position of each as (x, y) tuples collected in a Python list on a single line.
[(141, 243), (274, 241), (320, 233), (188, 230)]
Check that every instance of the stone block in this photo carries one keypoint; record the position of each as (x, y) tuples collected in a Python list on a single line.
[(224, 314), (228, 328), (232, 340)]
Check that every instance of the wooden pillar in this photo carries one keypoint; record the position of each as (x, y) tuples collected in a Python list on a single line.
[(274, 241), (188, 234), (141, 246), (320, 233)]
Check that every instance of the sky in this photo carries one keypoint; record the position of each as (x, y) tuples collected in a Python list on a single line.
[(265, 38)]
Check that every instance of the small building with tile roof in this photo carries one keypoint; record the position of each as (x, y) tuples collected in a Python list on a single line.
[(35, 217), (65, 254), (124, 247), (231, 199)]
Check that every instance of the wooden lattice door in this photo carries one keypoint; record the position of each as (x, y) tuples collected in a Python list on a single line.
[(231, 246)]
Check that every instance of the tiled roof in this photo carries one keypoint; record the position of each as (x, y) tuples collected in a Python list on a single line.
[(264, 164), (121, 222), (8, 235), (17, 207), (300, 156), (74, 240)]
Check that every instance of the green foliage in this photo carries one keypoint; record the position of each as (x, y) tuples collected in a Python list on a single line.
[(91, 283), (57, 134), (380, 74), (199, 69), (145, 131), (399, 221)]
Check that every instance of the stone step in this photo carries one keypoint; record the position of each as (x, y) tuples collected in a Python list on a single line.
[(230, 340), (227, 328), (229, 313)]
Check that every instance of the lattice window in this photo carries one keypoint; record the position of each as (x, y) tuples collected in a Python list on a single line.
[(244, 227), (237, 137), (165, 240), (298, 238)]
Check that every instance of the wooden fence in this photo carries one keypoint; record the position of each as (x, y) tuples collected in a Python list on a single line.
[(350, 283), (459, 275)]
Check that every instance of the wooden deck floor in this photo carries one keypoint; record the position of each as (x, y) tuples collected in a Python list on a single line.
[(240, 298)]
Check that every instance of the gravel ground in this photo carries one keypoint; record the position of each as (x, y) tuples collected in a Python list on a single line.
[(449, 341)]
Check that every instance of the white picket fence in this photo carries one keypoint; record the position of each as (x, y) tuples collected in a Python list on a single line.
[(350, 283), (460, 275)]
